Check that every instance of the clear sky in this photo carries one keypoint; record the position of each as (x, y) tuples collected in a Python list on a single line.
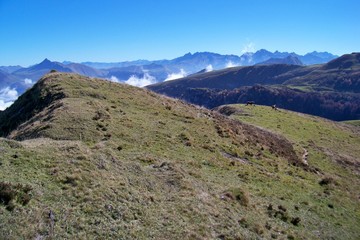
[(118, 30)]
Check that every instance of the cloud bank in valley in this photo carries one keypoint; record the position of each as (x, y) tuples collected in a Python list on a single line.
[(7, 97), (28, 82), (209, 68), (147, 79), (230, 64), (174, 76), (113, 79)]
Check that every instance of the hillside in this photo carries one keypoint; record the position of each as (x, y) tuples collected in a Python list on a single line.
[(228, 78), (332, 105), (330, 90), (353, 122), (324, 144), (347, 61), (341, 74), (316, 135), (87, 158)]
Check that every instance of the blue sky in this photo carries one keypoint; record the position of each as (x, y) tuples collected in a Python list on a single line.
[(118, 30)]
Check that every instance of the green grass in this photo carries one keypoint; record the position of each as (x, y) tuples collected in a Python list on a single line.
[(307, 87), (115, 161), (353, 122), (334, 151)]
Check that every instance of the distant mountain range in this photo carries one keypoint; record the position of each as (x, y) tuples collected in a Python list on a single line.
[(195, 62), (329, 90), (159, 69), (17, 79)]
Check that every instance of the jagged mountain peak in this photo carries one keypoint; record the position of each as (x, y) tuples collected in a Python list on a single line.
[(46, 60)]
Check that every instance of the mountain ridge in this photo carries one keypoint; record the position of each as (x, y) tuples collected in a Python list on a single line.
[(139, 72), (87, 158), (336, 85), (244, 59)]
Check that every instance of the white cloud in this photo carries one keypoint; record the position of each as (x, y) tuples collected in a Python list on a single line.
[(4, 105), (248, 47), (8, 94), (173, 76), (147, 79), (209, 68), (230, 64), (247, 58), (113, 79), (7, 97), (28, 81)]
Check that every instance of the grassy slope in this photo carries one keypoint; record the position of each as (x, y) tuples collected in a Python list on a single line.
[(353, 122), (114, 161), (333, 151)]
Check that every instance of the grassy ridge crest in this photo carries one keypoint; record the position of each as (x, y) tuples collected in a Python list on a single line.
[(107, 160)]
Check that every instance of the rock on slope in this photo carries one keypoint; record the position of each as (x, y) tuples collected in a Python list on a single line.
[(86, 158)]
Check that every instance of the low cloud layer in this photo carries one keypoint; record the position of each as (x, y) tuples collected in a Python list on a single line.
[(7, 97), (230, 64), (28, 82), (209, 68), (114, 79), (173, 76), (147, 79)]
